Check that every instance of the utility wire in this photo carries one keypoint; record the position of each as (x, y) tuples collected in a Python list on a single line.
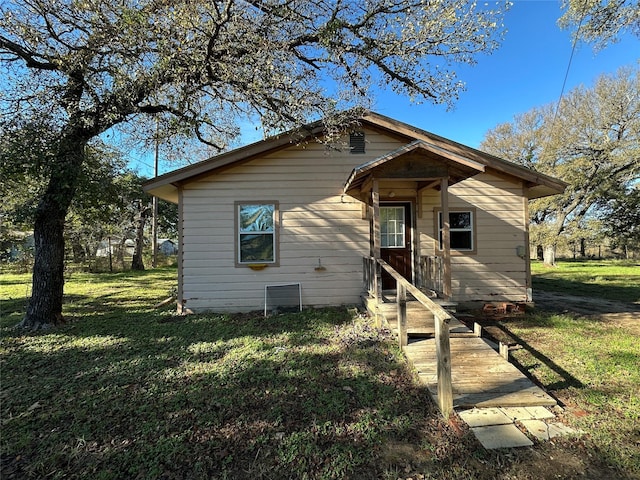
[(573, 50)]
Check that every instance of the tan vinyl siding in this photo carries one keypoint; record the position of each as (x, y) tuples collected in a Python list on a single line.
[(430, 200), (317, 223), (494, 271)]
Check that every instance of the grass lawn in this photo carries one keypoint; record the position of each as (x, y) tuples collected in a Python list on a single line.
[(593, 368), (612, 280), (124, 391)]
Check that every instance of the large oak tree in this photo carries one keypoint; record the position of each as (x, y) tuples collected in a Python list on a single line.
[(591, 140), (92, 66), (601, 22)]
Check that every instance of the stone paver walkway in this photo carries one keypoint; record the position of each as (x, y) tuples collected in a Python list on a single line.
[(505, 427)]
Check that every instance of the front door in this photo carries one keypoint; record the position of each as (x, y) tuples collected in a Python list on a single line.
[(395, 240)]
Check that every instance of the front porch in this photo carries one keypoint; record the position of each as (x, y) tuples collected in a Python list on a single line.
[(403, 192), (411, 228)]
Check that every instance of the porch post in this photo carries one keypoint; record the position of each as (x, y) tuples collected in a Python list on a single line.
[(443, 359), (401, 307), (375, 200), (446, 238)]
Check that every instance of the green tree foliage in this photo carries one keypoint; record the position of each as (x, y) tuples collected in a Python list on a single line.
[(592, 142), (26, 160), (167, 220), (92, 66), (620, 216), (601, 21), (108, 199)]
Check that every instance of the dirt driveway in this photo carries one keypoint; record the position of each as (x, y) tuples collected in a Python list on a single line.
[(627, 315)]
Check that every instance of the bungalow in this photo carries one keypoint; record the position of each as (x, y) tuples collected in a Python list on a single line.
[(291, 211)]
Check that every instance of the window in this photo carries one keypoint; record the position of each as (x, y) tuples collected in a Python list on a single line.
[(461, 230), (392, 227), (356, 142), (257, 232)]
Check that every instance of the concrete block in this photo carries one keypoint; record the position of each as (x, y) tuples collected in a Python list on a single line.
[(517, 413), (537, 428), (527, 413), (545, 431), (501, 436), (541, 413), (482, 417)]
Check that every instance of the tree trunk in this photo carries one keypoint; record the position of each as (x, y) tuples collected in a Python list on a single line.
[(539, 252), (79, 254), (45, 305), (550, 255), (122, 247), (583, 247), (137, 261), (110, 252)]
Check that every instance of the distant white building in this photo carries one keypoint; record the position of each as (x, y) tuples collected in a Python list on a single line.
[(167, 246), (113, 244)]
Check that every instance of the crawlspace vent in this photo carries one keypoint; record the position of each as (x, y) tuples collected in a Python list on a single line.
[(282, 298)]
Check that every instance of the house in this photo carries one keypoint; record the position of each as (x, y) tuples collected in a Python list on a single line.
[(289, 210), (167, 246)]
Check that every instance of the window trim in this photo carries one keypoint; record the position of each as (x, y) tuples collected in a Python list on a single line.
[(474, 230), (276, 232)]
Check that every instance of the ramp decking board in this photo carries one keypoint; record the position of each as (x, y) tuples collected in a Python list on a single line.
[(480, 376)]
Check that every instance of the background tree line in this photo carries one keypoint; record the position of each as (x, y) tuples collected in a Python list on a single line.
[(109, 203), (591, 140)]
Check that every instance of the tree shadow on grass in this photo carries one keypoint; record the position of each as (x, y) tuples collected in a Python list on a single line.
[(151, 395), (205, 396), (582, 288), (507, 335)]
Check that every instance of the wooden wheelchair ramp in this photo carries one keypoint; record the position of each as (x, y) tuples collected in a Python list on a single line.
[(480, 376)]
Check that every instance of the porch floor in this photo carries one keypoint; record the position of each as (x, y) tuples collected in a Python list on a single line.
[(480, 376)]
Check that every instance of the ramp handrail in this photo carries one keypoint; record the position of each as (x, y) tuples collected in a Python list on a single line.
[(373, 283)]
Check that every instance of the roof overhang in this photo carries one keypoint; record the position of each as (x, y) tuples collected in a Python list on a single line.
[(166, 186), (419, 161), (424, 151), (537, 184)]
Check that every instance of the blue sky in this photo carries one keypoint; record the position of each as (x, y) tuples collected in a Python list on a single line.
[(527, 71)]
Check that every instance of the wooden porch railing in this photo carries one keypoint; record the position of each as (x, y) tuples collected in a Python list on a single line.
[(432, 273), (373, 285)]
